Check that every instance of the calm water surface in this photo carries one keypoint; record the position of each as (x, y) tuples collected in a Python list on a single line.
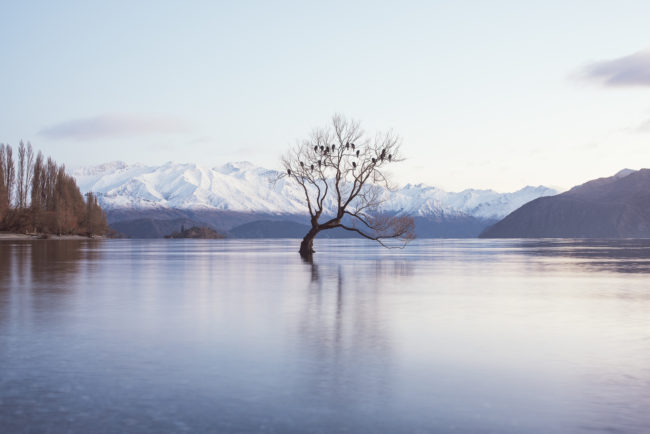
[(445, 336)]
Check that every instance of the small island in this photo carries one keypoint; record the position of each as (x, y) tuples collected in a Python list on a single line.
[(200, 232)]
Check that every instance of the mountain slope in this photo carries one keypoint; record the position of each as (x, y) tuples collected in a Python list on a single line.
[(614, 207)]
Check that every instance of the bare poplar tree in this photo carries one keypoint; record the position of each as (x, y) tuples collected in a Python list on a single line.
[(4, 198), (25, 173), (37, 201), (20, 183), (341, 167), (9, 171), (29, 172)]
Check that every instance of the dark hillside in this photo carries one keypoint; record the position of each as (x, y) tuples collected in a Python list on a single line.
[(614, 207)]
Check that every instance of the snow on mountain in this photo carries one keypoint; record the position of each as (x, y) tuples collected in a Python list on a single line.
[(424, 200), (245, 187)]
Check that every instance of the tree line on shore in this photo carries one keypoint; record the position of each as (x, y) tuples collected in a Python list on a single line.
[(37, 195)]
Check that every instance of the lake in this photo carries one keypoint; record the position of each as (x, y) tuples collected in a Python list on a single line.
[(445, 336)]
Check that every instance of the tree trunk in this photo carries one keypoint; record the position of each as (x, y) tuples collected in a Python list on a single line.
[(307, 244)]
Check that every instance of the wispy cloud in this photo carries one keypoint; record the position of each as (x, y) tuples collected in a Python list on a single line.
[(632, 70), (644, 127), (114, 125)]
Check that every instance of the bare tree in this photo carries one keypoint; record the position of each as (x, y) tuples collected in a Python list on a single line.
[(38, 176), (9, 170), (342, 174), (4, 195), (25, 172), (20, 181), (29, 173)]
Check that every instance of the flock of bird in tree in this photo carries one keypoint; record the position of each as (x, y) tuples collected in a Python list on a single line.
[(326, 150)]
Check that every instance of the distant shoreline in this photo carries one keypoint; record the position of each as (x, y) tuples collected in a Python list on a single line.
[(15, 237)]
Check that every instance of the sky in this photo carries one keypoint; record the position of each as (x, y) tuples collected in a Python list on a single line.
[(498, 94)]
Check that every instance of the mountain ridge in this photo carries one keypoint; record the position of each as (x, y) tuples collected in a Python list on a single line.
[(245, 187)]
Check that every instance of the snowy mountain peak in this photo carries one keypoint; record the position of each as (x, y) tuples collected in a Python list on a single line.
[(243, 186)]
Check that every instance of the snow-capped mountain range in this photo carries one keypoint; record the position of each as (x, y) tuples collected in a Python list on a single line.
[(244, 187)]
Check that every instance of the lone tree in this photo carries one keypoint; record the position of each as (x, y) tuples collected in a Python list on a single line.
[(342, 174)]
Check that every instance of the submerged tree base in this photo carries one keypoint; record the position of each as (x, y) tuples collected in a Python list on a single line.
[(307, 246)]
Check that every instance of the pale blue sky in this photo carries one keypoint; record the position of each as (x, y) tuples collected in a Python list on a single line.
[(485, 94)]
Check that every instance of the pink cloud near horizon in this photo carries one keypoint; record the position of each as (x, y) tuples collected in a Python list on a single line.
[(631, 70), (113, 126)]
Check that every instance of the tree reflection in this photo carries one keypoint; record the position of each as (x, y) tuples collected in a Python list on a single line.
[(33, 273), (345, 331)]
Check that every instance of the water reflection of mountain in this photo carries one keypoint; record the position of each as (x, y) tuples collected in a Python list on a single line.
[(621, 256)]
